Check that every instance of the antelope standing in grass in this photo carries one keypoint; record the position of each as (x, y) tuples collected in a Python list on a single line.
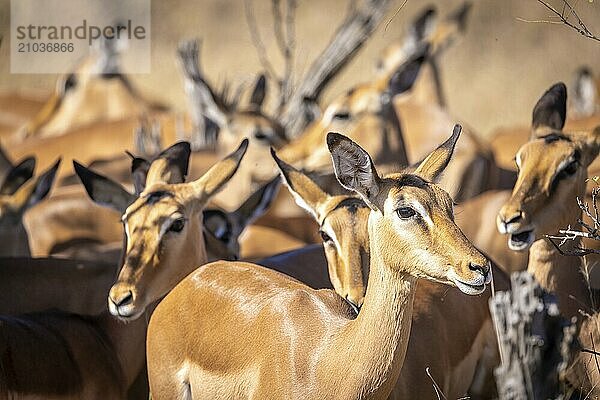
[(251, 346), (99, 357), (438, 312)]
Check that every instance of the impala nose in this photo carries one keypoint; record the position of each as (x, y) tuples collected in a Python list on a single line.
[(505, 220), (121, 299), (483, 270)]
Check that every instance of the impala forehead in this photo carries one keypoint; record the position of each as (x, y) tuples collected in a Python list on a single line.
[(546, 157)]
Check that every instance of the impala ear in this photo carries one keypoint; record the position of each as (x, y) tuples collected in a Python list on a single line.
[(17, 176), (423, 25), (139, 172), (354, 168), (305, 191), (35, 190), (406, 75), (433, 165), (551, 109), (259, 93), (257, 204), (103, 190), (219, 174), (171, 165)]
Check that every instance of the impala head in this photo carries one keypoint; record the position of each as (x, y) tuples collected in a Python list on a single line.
[(163, 229), (349, 111), (19, 192), (227, 227), (552, 173), (411, 222), (343, 227), (95, 91), (233, 123), (425, 28)]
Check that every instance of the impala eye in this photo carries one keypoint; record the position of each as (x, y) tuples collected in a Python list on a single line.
[(406, 212), (571, 168), (260, 135), (177, 225), (325, 237), (342, 115)]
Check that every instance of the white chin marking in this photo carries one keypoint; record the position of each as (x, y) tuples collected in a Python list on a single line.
[(469, 289)]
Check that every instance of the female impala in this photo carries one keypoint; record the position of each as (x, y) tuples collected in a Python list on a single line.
[(552, 174), (99, 357), (240, 330), (438, 312)]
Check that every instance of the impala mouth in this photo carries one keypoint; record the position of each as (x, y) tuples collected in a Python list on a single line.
[(470, 288), (521, 241)]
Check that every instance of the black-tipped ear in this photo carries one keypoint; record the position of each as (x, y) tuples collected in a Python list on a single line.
[(216, 222), (44, 184), (354, 168), (433, 165), (551, 109), (306, 193), (17, 176), (103, 190), (424, 24), (258, 203), (260, 91), (405, 77), (461, 15), (139, 172), (178, 156)]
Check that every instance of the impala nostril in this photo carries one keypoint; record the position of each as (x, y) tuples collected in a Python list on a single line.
[(123, 299), (516, 217), (482, 269)]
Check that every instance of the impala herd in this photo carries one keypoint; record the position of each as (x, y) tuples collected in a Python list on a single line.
[(364, 278)]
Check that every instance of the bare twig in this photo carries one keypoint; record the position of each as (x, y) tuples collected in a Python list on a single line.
[(565, 17), (257, 41), (436, 387), (348, 39)]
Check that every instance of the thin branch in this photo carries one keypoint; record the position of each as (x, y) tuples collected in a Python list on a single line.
[(394, 16), (257, 41), (436, 387), (564, 16)]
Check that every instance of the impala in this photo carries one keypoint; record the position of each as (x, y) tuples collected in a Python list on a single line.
[(552, 174), (99, 357), (438, 312), (94, 92), (422, 122), (18, 193), (245, 321)]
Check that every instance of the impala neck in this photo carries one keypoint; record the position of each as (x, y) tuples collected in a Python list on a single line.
[(561, 274), (377, 340), (129, 342)]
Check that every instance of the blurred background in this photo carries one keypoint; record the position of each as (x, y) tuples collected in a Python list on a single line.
[(492, 77)]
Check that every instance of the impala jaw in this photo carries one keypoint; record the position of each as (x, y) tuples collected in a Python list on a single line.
[(473, 287)]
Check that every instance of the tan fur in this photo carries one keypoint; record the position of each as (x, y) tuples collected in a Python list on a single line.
[(437, 309), (99, 357), (545, 207), (204, 337)]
